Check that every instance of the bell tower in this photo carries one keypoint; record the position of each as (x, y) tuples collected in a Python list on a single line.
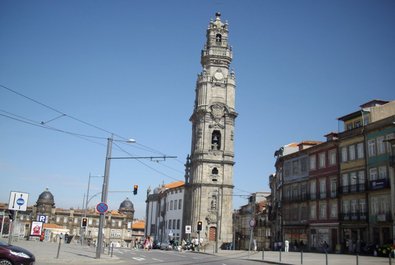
[(209, 168)]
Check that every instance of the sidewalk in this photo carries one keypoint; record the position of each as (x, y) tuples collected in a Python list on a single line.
[(308, 258), (72, 253)]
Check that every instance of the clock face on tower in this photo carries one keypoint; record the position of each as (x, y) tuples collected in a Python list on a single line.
[(218, 76)]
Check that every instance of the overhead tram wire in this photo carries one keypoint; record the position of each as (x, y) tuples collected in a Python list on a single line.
[(42, 125), (74, 118), (145, 164)]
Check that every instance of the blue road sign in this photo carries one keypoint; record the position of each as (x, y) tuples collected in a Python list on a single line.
[(102, 207)]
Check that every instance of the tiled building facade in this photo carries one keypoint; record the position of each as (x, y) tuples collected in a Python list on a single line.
[(339, 191)]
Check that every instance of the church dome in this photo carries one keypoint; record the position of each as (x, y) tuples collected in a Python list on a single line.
[(46, 197), (126, 206)]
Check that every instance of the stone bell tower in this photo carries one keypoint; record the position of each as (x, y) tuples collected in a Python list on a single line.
[(209, 168)]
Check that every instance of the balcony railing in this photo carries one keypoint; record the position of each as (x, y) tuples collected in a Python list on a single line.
[(360, 216), (352, 188)]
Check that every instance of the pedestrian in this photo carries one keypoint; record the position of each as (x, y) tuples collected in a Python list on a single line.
[(286, 243)]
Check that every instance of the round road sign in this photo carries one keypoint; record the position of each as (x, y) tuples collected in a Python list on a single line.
[(102, 207)]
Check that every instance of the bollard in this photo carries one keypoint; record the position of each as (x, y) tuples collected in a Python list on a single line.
[(112, 249), (280, 254), (390, 258), (357, 257), (301, 256), (326, 258), (263, 254), (60, 240)]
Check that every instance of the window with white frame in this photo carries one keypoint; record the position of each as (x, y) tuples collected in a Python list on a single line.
[(380, 145), (333, 210), (333, 187), (313, 212), (346, 207), (345, 180), (351, 152), (354, 206), (373, 173), (322, 207), (374, 205), (361, 180), (332, 157), (360, 151), (353, 181), (313, 162), (372, 147), (382, 172), (344, 154), (362, 206), (323, 188), (321, 162)]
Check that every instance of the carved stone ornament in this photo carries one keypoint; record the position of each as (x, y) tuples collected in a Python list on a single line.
[(217, 111)]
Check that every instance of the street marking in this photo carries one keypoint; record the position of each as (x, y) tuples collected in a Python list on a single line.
[(157, 260), (138, 259)]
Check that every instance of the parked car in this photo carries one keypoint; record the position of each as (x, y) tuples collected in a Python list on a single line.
[(10, 254)]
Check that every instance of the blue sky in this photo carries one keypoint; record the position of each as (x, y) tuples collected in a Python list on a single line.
[(130, 67)]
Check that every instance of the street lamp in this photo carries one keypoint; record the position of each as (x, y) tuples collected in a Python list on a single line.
[(104, 194)]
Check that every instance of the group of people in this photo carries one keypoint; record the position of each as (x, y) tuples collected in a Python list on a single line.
[(147, 245)]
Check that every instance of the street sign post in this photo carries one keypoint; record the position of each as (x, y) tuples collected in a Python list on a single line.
[(18, 201)]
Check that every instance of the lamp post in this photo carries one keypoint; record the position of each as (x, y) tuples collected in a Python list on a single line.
[(104, 194)]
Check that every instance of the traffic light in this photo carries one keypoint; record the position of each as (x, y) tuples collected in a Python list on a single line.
[(199, 226), (11, 214), (135, 188), (84, 222)]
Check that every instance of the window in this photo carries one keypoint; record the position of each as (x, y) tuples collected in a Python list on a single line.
[(171, 205), (322, 188), (372, 148), (333, 210), (387, 137), (312, 162), (174, 223), (373, 173), (332, 157), (353, 181), (178, 224), (312, 190), (382, 172), (313, 212), (214, 171), (216, 140), (361, 180), (323, 210), (360, 151), (333, 188), (354, 207), (169, 224), (344, 154), (321, 158), (344, 183), (362, 206), (351, 152), (179, 204), (380, 145), (218, 38), (346, 207)]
